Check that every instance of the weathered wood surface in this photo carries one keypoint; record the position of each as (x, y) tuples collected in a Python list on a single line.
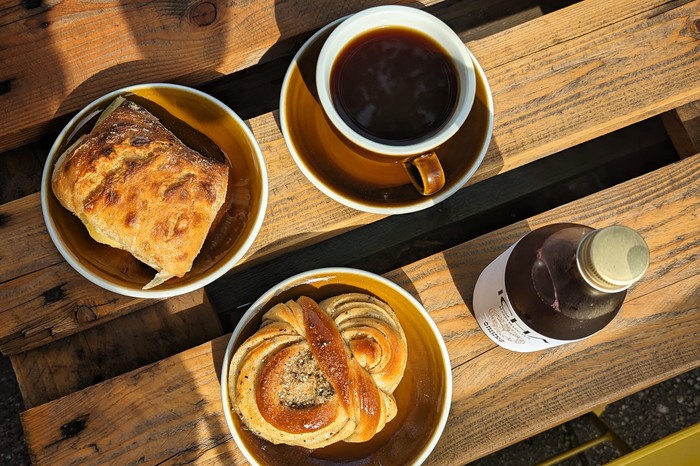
[(26, 246), (587, 70), (683, 125), (558, 80), (188, 42), (499, 397), (123, 43), (397, 240), (58, 368), (20, 172), (176, 410), (100, 353), (52, 303)]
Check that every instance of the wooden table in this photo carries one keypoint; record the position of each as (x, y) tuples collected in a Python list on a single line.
[(112, 379)]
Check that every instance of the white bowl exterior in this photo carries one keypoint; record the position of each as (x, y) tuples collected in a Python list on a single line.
[(151, 293), (308, 277), (405, 17)]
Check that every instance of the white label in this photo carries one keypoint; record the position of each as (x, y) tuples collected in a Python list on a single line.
[(495, 314)]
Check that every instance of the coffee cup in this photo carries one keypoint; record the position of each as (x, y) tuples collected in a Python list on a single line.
[(397, 83)]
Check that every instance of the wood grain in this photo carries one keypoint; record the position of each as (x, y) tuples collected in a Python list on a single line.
[(141, 404), (52, 303), (26, 245), (494, 407), (124, 43), (587, 70), (396, 240), (683, 126), (499, 397), (186, 42), (105, 351), (20, 172), (592, 73)]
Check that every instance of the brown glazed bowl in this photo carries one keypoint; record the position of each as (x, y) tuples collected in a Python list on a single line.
[(234, 228), (423, 397)]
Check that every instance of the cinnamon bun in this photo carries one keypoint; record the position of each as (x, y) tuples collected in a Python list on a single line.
[(316, 374)]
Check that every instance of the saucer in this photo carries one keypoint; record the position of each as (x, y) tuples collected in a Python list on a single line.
[(343, 173)]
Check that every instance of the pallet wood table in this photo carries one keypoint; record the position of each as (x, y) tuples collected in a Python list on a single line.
[(494, 390), (584, 72)]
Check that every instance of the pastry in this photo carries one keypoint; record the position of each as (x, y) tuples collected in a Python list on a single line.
[(137, 187), (316, 374)]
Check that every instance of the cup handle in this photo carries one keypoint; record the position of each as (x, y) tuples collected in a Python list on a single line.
[(425, 172)]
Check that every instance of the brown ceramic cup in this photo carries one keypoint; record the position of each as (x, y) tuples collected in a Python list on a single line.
[(348, 174), (417, 155)]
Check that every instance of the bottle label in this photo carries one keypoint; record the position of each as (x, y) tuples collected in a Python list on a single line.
[(496, 316)]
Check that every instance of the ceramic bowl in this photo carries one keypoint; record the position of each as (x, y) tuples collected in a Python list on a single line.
[(423, 397), (237, 222)]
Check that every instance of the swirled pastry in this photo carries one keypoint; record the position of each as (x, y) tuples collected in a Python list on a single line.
[(316, 374), (137, 187)]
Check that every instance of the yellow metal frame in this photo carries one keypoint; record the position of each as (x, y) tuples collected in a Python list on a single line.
[(679, 449), (608, 435)]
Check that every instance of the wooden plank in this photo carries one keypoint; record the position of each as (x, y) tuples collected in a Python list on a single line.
[(244, 286), (191, 383), (477, 20), (499, 397), (100, 353), (538, 111), (587, 70), (52, 303), (470, 212), (26, 245), (124, 43), (255, 90), (683, 125), (534, 117), (139, 55), (661, 205), (489, 414), (20, 172), (565, 26)]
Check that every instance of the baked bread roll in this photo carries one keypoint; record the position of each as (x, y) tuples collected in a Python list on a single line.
[(137, 187), (316, 374)]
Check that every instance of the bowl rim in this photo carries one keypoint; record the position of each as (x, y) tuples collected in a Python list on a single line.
[(73, 260), (318, 275)]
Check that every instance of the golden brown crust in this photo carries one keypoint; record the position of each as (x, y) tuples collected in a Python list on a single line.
[(316, 374), (137, 184)]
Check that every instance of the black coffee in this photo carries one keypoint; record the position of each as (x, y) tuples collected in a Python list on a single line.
[(394, 86)]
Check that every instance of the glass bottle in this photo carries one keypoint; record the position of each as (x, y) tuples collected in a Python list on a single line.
[(558, 284)]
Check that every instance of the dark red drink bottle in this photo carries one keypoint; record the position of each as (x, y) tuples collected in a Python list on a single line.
[(558, 284)]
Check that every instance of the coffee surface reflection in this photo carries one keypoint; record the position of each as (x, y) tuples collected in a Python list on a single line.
[(394, 86)]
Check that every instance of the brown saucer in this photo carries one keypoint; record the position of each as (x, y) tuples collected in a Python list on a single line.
[(340, 170)]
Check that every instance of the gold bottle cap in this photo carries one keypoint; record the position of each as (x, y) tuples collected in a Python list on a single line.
[(613, 258)]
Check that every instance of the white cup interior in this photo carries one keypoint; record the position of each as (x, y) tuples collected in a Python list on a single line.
[(405, 17)]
